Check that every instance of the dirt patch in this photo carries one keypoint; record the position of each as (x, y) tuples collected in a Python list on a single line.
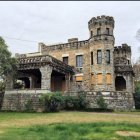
[(128, 133)]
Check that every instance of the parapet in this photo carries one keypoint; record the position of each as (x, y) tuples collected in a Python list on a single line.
[(101, 20), (72, 40), (124, 48)]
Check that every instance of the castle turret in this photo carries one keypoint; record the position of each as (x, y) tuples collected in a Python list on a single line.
[(101, 43), (101, 28), (122, 54)]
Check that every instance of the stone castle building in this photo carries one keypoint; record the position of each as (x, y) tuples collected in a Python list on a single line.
[(92, 65)]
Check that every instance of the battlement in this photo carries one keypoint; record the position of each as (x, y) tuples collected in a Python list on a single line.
[(101, 20), (72, 43), (124, 48)]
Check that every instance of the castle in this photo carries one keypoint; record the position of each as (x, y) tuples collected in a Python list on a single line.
[(92, 65)]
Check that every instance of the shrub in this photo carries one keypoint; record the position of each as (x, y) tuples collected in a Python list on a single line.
[(101, 103), (76, 102), (51, 102), (29, 105), (137, 95), (2, 86)]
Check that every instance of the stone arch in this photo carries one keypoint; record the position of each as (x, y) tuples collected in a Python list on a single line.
[(120, 83)]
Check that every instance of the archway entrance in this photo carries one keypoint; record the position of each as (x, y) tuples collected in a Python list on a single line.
[(120, 83)]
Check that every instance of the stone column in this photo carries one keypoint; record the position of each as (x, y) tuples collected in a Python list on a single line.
[(9, 82), (67, 83), (129, 83), (46, 72), (32, 81)]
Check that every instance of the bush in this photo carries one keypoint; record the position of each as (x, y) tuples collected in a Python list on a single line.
[(137, 95), (51, 102), (101, 103), (29, 105), (76, 102), (2, 86)]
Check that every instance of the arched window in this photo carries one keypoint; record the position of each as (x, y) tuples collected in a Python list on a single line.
[(120, 83)]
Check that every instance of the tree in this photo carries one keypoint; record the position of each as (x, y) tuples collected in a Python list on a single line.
[(8, 64)]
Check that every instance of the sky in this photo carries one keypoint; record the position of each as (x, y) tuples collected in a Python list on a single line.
[(23, 24)]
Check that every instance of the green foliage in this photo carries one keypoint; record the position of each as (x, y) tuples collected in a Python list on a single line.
[(2, 86), (18, 85), (101, 103), (76, 102), (29, 105), (137, 95), (8, 64), (51, 101)]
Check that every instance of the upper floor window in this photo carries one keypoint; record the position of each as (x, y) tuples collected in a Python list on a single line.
[(99, 56), (65, 60), (108, 56), (79, 60), (107, 31), (91, 58), (98, 31)]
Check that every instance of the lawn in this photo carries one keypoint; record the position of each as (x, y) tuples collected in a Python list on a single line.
[(70, 126)]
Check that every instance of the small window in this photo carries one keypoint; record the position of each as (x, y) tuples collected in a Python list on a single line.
[(65, 60), (91, 33), (128, 62), (99, 78), (108, 78), (98, 31), (79, 61), (107, 31), (99, 56), (92, 79), (108, 56), (91, 58), (79, 78)]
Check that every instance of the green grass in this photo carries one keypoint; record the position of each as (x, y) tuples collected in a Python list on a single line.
[(82, 131), (68, 125)]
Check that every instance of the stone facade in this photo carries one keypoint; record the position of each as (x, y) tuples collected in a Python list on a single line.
[(92, 65)]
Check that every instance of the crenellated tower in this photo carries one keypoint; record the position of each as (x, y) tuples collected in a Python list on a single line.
[(101, 44), (124, 76), (101, 28)]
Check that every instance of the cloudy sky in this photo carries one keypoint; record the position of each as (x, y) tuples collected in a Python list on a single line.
[(53, 22)]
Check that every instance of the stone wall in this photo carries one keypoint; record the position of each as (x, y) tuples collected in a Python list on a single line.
[(1, 98), (116, 100)]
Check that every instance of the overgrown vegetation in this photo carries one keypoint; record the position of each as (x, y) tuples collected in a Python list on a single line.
[(54, 102), (29, 106), (51, 101), (101, 103), (8, 64), (2, 86), (76, 102), (137, 95)]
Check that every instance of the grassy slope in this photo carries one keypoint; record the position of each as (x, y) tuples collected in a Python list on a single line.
[(74, 125)]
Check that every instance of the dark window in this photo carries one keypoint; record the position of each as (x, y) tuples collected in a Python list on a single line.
[(79, 60), (65, 60), (128, 61), (98, 31), (91, 34), (107, 31), (99, 56), (91, 58), (108, 56)]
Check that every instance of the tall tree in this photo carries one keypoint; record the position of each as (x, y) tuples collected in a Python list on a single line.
[(8, 64)]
